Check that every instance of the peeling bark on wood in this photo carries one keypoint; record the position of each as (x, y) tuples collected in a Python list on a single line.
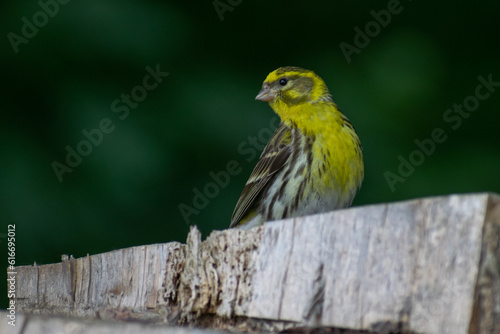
[(424, 266)]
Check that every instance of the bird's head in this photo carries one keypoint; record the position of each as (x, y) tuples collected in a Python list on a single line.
[(293, 86)]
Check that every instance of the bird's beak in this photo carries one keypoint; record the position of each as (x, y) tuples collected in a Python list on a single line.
[(265, 94)]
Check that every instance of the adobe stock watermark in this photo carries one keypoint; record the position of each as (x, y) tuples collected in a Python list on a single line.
[(11, 274), (249, 148), (29, 29), (372, 29), (453, 117), (222, 6), (121, 106)]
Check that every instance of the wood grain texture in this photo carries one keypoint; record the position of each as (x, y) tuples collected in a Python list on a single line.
[(428, 266), (45, 324)]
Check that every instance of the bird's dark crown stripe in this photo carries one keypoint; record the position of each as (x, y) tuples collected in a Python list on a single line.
[(286, 69)]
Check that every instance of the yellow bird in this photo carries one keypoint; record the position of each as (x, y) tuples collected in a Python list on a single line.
[(314, 161)]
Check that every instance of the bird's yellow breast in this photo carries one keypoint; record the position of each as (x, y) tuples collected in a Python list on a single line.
[(336, 161)]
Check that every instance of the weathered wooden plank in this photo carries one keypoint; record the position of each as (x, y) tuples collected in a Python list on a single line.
[(427, 265), (46, 324), (127, 278)]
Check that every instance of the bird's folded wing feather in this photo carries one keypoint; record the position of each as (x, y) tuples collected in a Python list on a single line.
[(273, 158)]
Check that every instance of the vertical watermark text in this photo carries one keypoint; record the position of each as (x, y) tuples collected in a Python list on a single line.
[(11, 274)]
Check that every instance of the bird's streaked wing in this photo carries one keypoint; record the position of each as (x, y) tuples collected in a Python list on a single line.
[(272, 159)]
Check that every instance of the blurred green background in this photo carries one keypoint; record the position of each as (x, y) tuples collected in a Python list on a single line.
[(127, 191)]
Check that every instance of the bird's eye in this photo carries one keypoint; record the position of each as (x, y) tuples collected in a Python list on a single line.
[(283, 81)]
